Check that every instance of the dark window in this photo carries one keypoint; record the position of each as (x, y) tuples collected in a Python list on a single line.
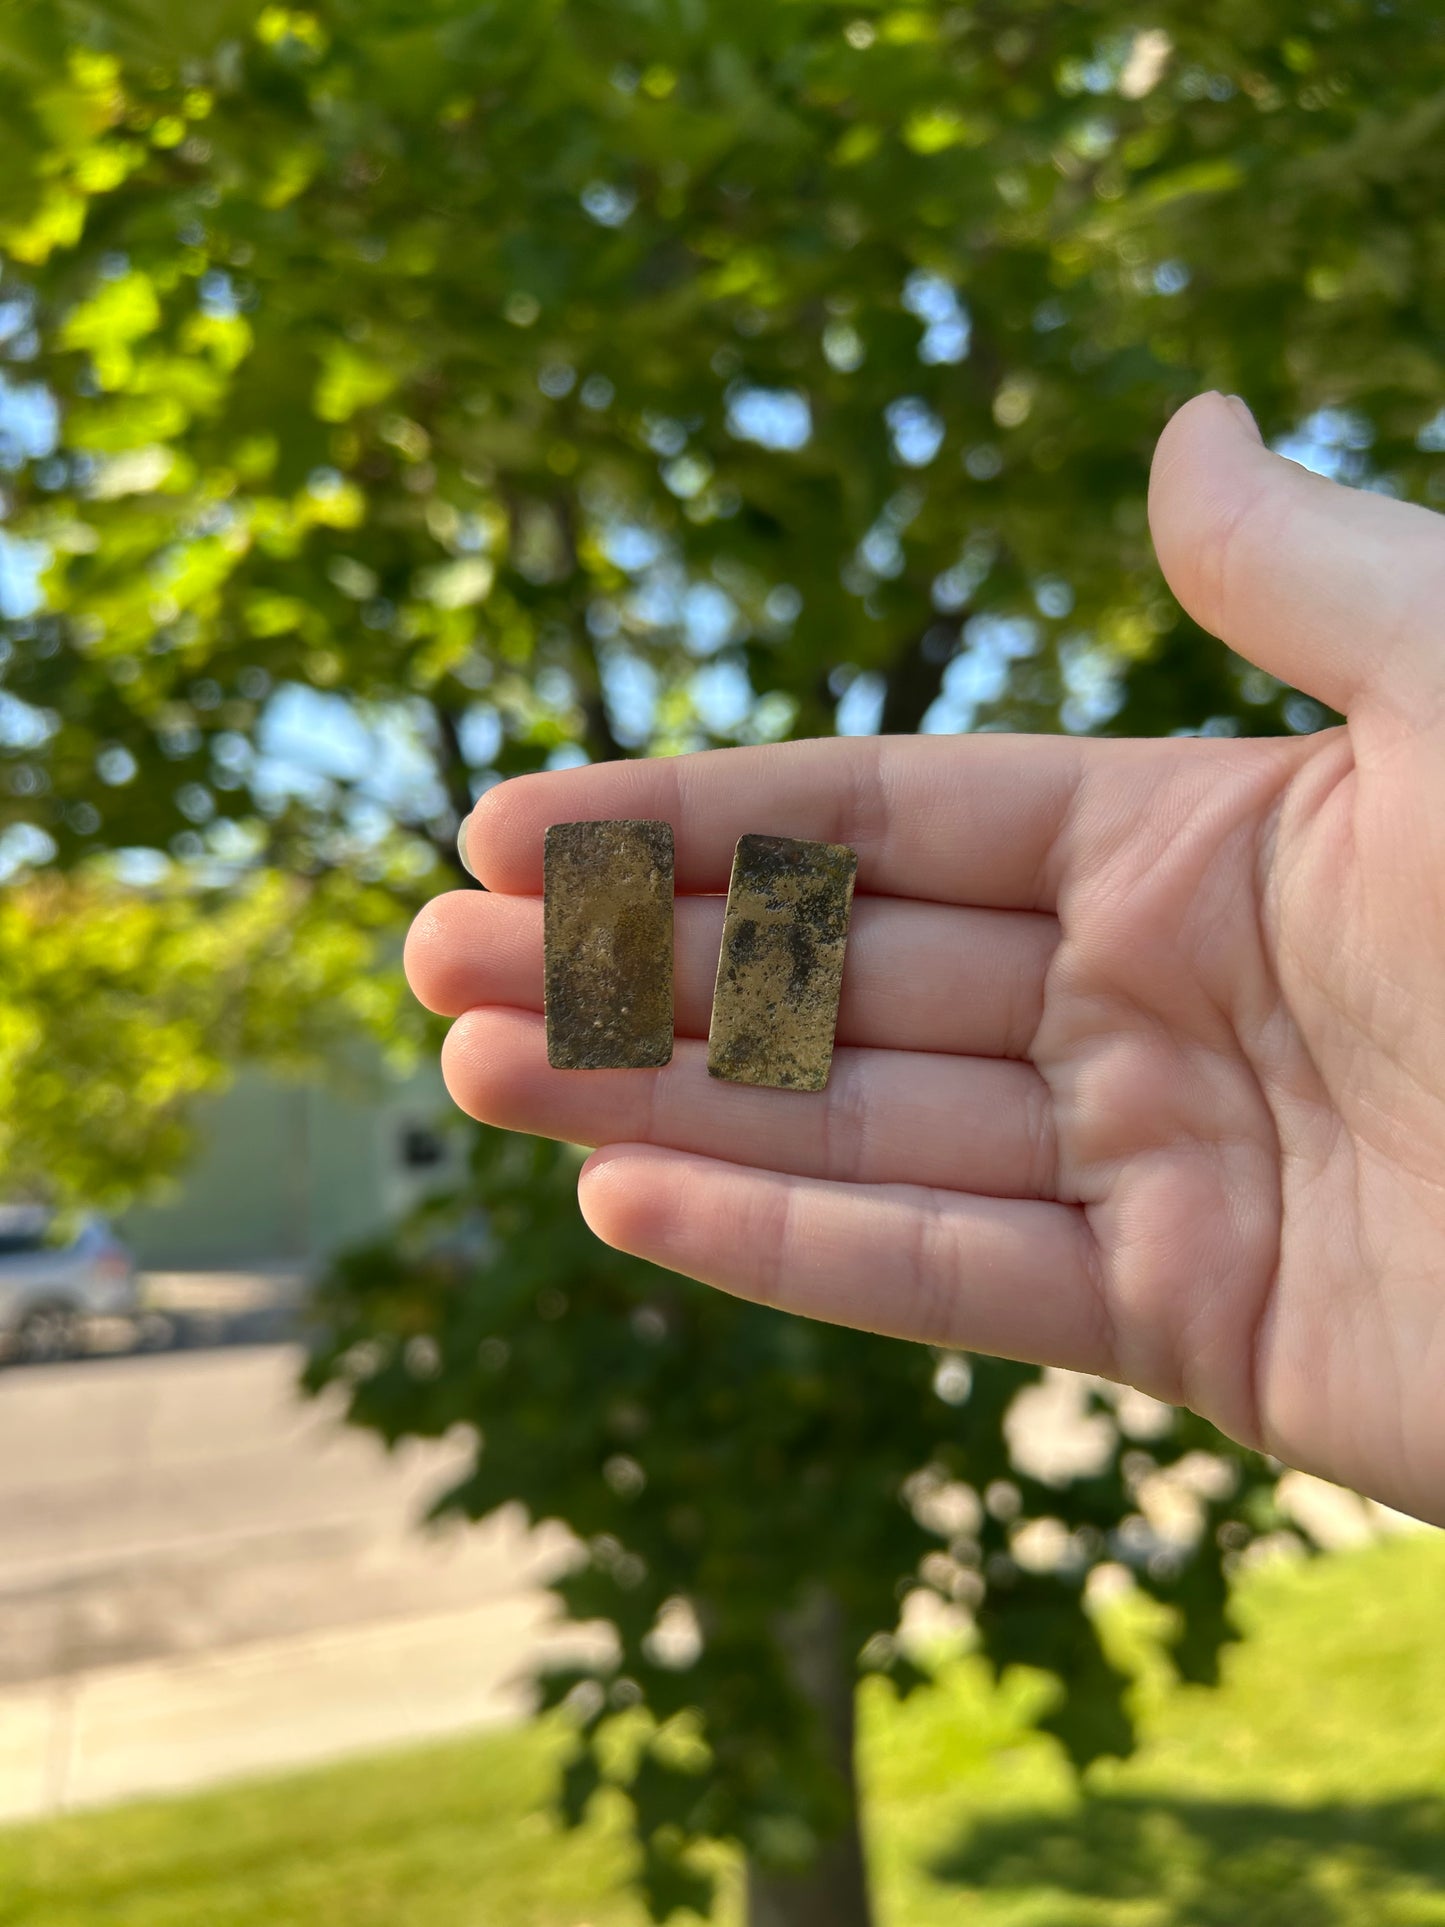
[(421, 1148), (25, 1228)]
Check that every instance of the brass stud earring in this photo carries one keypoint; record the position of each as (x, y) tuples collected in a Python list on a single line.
[(607, 945), (785, 931)]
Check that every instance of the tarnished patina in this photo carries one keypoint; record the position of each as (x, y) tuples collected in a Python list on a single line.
[(775, 1007), (608, 945)]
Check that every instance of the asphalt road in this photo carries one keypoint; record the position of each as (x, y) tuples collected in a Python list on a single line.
[(174, 1504)]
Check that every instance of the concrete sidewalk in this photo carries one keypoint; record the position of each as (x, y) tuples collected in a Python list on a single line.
[(175, 1725)]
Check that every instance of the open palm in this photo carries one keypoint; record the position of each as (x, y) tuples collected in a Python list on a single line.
[(1141, 1061)]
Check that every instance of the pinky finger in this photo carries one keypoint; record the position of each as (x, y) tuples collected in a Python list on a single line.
[(995, 1275)]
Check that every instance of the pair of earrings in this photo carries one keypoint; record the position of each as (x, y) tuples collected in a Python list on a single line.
[(608, 891)]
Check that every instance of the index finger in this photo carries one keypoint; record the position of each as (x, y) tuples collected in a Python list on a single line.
[(948, 819)]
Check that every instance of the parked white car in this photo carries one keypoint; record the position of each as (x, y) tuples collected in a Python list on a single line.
[(55, 1277)]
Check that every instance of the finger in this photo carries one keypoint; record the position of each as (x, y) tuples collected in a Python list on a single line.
[(974, 1123), (985, 1274), (970, 820), (1334, 589), (918, 976)]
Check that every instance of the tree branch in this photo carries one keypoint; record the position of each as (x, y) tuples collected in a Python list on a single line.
[(453, 770), (602, 745), (914, 679)]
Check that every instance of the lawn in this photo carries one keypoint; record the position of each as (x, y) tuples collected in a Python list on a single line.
[(1308, 1792)]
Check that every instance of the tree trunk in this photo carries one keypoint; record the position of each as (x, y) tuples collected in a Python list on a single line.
[(834, 1890)]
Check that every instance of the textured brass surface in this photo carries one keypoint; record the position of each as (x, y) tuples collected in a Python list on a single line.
[(608, 945), (775, 1007)]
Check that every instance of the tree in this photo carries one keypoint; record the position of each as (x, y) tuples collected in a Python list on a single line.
[(458, 388), (754, 1498)]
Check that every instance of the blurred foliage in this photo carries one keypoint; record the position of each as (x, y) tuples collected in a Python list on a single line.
[(396, 397), (119, 1006)]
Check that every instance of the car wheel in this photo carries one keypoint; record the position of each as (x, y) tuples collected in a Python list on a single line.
[(47, 1334)]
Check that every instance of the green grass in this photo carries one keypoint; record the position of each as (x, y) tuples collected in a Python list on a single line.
[(1308, 1792)]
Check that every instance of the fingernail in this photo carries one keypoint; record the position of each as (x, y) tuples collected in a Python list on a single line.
[(1240, 408), (462, 848)]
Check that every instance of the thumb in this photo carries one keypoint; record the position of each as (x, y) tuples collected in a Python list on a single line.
[(1336, 590)]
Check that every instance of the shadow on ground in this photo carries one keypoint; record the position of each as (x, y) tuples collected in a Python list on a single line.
[(1206, 1863), (188, 1331)]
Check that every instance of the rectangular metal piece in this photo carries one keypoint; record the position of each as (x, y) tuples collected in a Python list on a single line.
[(607, 921), (775, 1006)]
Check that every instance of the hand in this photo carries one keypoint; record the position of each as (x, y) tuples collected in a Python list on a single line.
[(1141, 1063)]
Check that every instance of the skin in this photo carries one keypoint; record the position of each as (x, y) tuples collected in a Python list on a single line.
[(1141, 1063)]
